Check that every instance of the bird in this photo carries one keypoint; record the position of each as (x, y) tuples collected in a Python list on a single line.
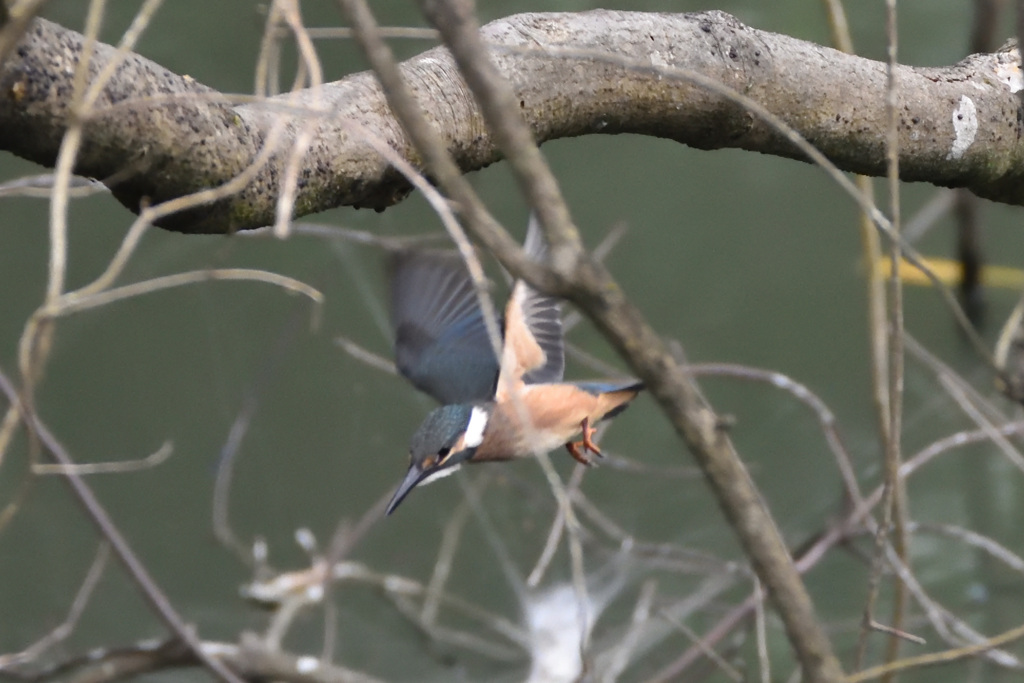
[(491, 409)]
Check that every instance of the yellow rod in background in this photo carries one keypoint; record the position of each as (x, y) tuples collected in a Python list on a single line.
[(948, 271)]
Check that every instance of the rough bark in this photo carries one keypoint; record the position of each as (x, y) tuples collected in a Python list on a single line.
[(155, 135)]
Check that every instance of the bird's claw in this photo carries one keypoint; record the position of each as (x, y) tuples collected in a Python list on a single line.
[(577, 449)]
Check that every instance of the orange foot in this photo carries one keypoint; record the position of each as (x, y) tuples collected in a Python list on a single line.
[(585, 444)]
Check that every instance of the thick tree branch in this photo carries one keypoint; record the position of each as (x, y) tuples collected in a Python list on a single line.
[(156, 135)]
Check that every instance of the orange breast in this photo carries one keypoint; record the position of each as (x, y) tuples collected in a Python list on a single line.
[(543, 417)]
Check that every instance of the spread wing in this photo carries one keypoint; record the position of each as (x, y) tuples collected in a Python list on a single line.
[(441, 343), (533, 350)]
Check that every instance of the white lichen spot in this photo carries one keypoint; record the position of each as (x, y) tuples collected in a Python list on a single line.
[(305, 539), (1009, 74), (965, 126), (259, 551), (658, 60), (315, 592), (219, 650), (346, 570), (307, 664), (398, 584)]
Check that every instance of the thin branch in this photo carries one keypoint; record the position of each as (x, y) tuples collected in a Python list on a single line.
[(74, 303), (150, 590), (624, 650), (706, 648), (761, 636), (802, 393), (974, 540), (894, 498), (536, 575), (364, 355), (310, 63), (152, 460), (591, 287), (41, 187), (248, 658), (220, 504), (937, 658), (14, 21), (67, 627), (450, 539), (500, 108), (473, 212), (834, 535)]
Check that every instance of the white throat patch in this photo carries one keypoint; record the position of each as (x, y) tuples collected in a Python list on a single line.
[(475, 429), (440, 474)]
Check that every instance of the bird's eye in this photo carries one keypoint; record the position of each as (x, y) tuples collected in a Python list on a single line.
[(443, 454)]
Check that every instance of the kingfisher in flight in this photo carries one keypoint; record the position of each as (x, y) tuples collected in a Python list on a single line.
[(490, 410)]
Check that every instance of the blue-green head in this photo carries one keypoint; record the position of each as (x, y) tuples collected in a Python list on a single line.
[(448, 437)]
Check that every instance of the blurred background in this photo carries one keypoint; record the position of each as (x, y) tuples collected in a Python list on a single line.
[(742, 258)]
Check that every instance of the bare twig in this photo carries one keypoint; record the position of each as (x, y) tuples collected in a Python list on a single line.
[(974, 540), (154, 459), (220, 507), (249, 658), (41, 186), (310, 63), (834, 535), (825, 417), (220, 504), (622, 653), (536, 575), (937, 657), (592, 288), (443, 565), (366, 356), (761, 636), (74, 304), (14, 20), (66, 627), (474, 214), (894, 500), (157, 599), (706, 648)]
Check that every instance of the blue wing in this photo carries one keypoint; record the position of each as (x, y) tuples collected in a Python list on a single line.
[(609, 386), (631, 386), (441, 343)]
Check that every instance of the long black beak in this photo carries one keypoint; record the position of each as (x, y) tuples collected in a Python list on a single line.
[(412, 477)]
